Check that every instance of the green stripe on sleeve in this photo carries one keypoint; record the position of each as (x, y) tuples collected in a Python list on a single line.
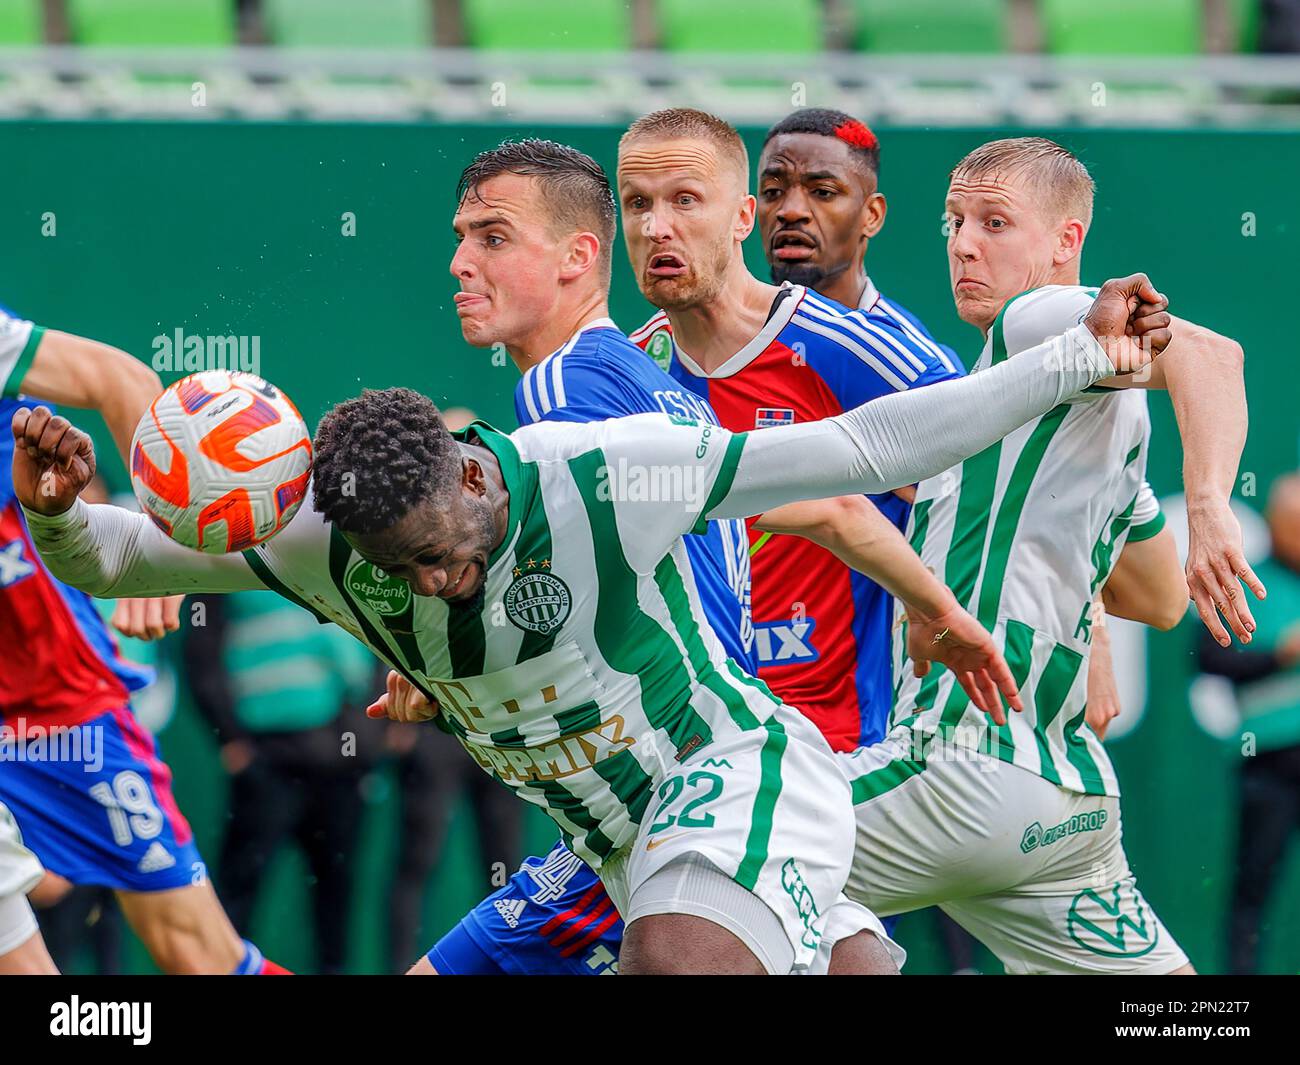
[(1147, 529), (14, 382), (723, 481), (769, 790)]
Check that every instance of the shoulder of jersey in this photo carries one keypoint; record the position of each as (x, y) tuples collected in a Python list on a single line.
[(655, 338), (891, 345), (656, 323), (598, 357), (1044, 312)]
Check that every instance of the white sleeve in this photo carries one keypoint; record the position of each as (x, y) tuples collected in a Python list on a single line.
[(110, 552), (18, 342), (904, 438), (659, 474)]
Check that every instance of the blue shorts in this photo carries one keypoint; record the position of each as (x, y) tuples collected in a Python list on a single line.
[(552, 918), (94, 803)]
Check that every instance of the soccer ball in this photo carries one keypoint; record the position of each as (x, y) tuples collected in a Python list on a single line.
[(220, 461)]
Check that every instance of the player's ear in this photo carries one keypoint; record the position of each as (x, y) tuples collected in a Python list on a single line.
[(472, 476), (873, 214), (1069, 241), (745, 217), (584, 250)]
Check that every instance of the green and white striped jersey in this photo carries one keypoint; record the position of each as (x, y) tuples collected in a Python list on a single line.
[(1025, 533), (589, 668), (19, 340)]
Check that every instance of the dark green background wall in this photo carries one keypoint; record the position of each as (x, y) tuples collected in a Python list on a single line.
[(236, 229)]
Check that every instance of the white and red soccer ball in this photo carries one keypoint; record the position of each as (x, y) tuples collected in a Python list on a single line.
[(220, 461)]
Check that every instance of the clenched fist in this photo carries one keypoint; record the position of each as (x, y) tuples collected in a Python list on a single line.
[(1130, 320), (53, 460)]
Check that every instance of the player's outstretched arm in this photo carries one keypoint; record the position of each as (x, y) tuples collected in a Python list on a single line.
[(104, 550), (900, 439)]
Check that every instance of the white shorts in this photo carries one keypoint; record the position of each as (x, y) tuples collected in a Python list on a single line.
[(1035, 872), (768, 809), (19, 873)]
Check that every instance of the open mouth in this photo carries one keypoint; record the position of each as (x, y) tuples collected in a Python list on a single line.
[(666, 264), (793, 245)]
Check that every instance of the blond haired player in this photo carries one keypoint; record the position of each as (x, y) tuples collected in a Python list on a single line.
[(1015, 829)]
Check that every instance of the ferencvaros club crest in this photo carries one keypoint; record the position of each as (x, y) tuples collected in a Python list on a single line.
[(537, 600)]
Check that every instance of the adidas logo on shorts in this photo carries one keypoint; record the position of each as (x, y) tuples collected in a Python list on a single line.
[(510, 909), (155, 859)]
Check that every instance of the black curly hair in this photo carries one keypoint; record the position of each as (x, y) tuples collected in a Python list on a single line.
[(379, 455)]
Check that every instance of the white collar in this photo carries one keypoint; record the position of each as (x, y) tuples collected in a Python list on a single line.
[(770, 331), (567, 346), (870, 297)]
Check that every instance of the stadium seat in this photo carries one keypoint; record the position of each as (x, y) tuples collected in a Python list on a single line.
[(146, 23), (548, 25), (348, 24), (21, 22), (772, 26), (1243, 15), (930, 26), (1121, 27)]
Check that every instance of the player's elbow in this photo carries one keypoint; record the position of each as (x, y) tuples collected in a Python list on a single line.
[(136, 376), (1232, 354), (839, 521), (1226, 351), (1171, 606)]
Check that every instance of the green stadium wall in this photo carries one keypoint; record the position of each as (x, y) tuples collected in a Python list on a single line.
[(130, 231)]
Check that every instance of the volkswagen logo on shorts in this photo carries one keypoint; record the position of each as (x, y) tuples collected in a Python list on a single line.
[(537, 601)]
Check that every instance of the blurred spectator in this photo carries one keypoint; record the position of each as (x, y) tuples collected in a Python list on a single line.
[(1279, 26), (286, 697), (1266, 675)]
